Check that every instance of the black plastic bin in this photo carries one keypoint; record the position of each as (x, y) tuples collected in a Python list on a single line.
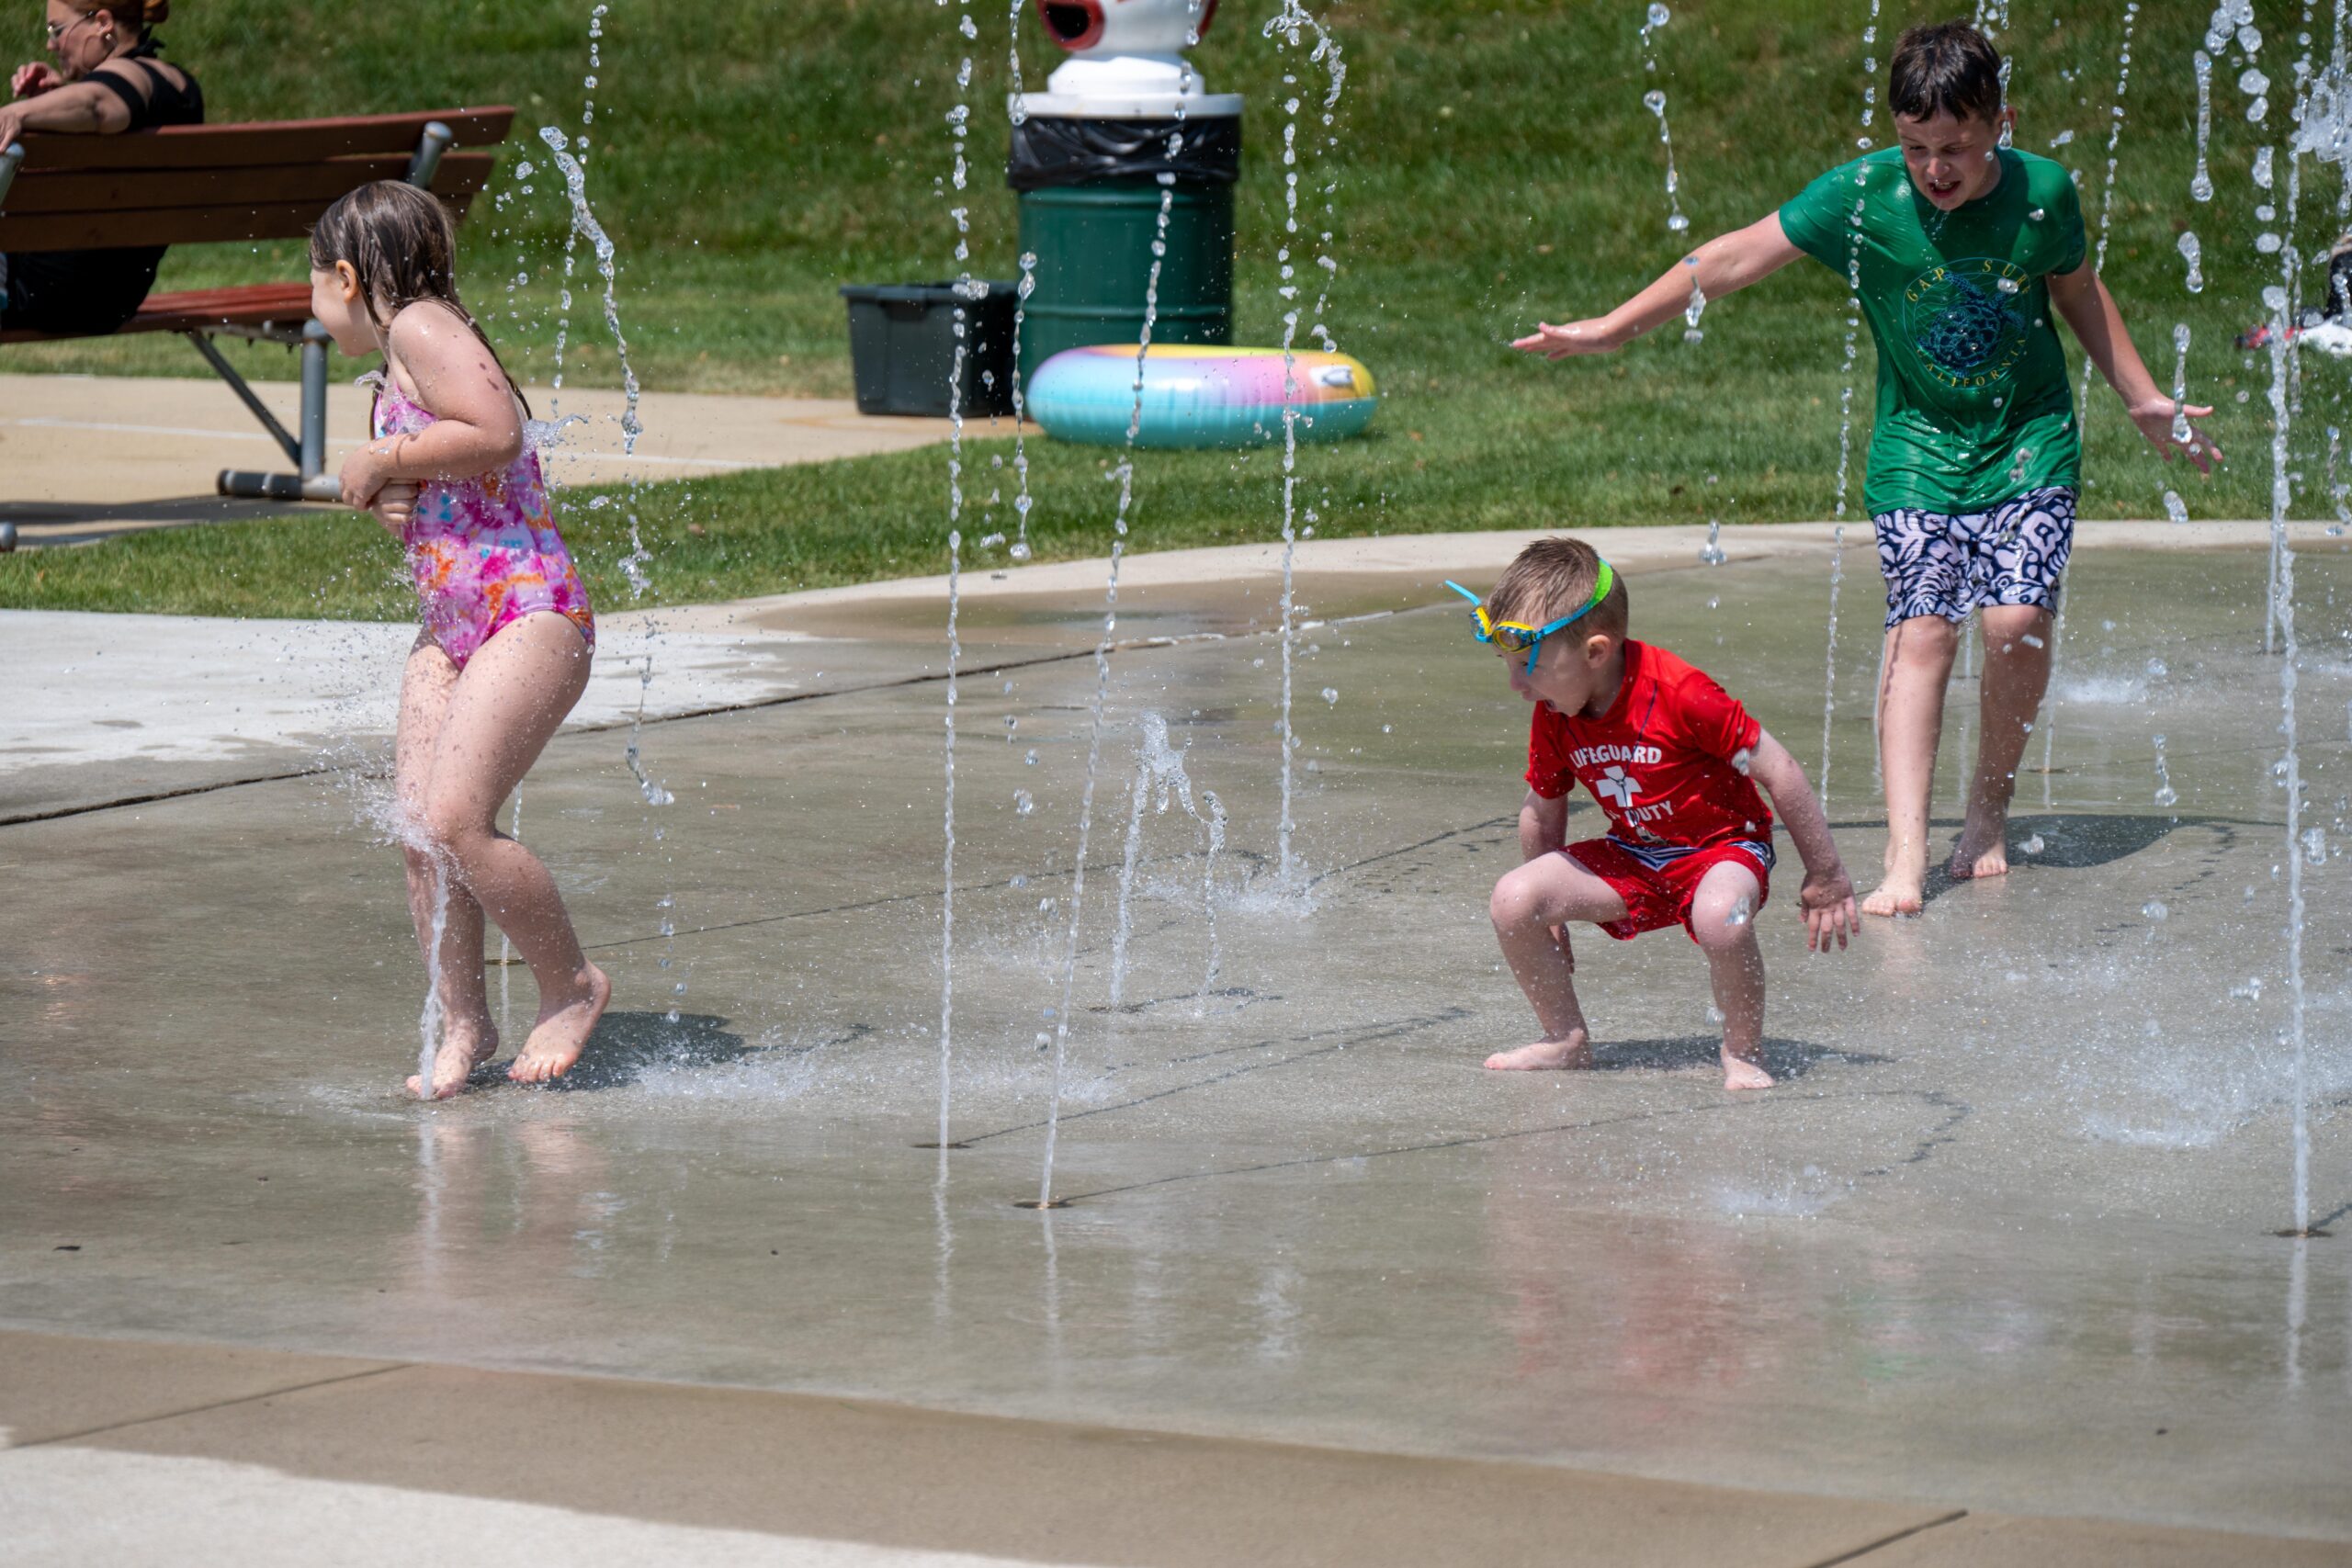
[(902, 346)]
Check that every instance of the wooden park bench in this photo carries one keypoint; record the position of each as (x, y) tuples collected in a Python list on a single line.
[(216, 184)]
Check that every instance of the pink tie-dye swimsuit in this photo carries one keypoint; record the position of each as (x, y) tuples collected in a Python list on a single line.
[(484, 552)]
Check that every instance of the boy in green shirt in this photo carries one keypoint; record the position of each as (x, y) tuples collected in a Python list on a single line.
[(1958, 247)]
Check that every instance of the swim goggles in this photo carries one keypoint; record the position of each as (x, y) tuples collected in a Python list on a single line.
[(1516, 635)]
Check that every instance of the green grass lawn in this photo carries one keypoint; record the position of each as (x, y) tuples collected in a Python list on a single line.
[(1492, 165)]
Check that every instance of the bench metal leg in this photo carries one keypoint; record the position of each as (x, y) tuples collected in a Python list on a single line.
[(308, 455)]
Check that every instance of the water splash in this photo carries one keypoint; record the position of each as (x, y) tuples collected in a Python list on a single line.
[(2201, 184), (2166, 796), (1713, 553), (1290, 30), (583, 223), (433, 1015), (1829, 658), (646, 786), (957, 123), (1676, 220), (1021, 502), (2282, 620), (505, 943), (2106, 188), (1124, 476), (2192, 252), (1160, 780), (1654, 100), (1854, 260)]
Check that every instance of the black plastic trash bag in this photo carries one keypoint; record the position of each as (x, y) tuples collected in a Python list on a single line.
[(1051, 150)]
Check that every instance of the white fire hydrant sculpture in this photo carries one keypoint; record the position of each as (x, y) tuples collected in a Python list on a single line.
[(1128, 52)]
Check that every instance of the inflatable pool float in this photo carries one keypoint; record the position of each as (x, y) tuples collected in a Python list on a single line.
[(1198, 395)]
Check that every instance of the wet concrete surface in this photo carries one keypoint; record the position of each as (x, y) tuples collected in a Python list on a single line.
[(2001, 1239)]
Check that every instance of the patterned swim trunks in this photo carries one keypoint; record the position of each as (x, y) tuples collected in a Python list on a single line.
[(1950, 564)]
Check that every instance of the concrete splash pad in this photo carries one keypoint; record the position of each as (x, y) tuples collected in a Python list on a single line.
[(2001, 1239)]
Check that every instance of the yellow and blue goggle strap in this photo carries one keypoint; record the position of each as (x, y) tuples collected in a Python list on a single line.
[(1511, 633)]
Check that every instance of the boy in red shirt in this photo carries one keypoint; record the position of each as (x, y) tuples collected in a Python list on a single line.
[(1675, 762)]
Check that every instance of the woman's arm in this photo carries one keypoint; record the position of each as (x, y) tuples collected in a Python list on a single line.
[(79, 109), (476, 427), (1724, 264), (2082, 298)]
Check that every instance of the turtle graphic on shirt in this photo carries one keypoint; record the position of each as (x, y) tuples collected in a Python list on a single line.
[(1964, 318)]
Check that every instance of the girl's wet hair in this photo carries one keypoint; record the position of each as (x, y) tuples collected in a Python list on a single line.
[(401, 242), (1946, 68)]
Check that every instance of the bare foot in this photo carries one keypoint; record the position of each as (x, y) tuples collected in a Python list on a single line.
[(565, 1022), (1903, 890), (1896, 895), (1741, 1073), (1574, 1052), (464, 1046), (1983, 849)]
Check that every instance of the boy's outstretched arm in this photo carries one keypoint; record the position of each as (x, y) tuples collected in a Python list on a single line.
[(1827, 896), (2089, 309), (1724, 265)]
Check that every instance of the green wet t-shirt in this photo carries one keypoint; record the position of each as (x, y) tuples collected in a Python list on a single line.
[(1974, 405)]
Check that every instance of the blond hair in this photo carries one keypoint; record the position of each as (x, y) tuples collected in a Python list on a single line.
[(1552, 578)]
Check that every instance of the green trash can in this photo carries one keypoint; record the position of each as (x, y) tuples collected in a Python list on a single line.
[(1090, 192)]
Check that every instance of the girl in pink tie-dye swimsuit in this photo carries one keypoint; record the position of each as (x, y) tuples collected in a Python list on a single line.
[(504, 651), (484, 552)]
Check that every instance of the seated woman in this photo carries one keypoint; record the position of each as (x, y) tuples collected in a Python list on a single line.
[(107, 80)]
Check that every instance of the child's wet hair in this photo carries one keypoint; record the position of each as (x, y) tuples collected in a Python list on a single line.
[(402, 244), (1944, 67), (1552, 578)]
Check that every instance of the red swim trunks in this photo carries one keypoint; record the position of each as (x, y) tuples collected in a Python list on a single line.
[(1659, 883)]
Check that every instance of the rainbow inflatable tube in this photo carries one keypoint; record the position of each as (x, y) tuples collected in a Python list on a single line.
[(1198, 395)]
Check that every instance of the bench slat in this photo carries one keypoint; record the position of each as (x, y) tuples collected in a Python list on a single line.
[(284, 142), (132, 195), (173, 226), (285, 304)]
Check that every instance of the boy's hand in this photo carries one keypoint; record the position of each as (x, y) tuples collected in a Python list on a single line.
[(1828, 900), (1594, 336), (2160, 419)]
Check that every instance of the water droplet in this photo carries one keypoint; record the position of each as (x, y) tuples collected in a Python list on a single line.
[(2155, 910), (1030, 757), (2175, 508), (1659, 14), (2157, 670), (1740, 912), (1022, 802), (1330, 694), (1653, 101), (2034, 845)]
